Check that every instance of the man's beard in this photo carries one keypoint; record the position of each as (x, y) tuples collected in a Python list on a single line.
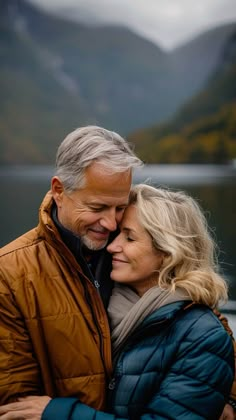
[(93, 245)]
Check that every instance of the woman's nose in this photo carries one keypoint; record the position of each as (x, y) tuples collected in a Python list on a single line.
[(115, 245)]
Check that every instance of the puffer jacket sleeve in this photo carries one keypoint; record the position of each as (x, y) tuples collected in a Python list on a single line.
[(19, 372), (72, 409)]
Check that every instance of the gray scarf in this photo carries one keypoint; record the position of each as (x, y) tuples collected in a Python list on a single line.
[(127, 309)]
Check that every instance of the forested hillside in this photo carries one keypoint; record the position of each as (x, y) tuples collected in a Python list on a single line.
[(204, 130)]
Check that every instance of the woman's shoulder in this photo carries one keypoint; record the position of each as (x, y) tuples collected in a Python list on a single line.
[(199, 323), (202, 314)]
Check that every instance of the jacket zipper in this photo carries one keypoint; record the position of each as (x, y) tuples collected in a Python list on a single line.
[(96, 284), (83, 278)]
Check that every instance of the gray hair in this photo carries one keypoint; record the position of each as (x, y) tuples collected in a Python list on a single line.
[(178, 227), (87, 144)]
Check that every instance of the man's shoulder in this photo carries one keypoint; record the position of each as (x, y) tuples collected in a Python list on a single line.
[(24, 241), (18, 257)]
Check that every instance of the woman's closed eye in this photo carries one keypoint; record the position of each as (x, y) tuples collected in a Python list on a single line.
[(127, 234), (129, 239)]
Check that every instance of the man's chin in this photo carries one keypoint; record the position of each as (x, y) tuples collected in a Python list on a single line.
[(93, 245)]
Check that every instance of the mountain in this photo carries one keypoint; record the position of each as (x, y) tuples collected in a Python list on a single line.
[(194, 62), (204, 130), (36, 109), (56, 75)]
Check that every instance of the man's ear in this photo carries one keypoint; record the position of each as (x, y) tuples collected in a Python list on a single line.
[(57, 190)]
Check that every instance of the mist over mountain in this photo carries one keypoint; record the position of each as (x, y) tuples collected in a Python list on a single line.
[(56, 75)]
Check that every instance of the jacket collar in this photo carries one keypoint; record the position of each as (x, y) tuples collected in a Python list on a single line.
[(166, 312)]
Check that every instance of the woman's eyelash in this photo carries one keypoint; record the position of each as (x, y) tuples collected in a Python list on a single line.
[(129, 239)]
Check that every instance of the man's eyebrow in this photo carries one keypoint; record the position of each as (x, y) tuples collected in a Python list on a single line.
[(90, 202), (97, 203)]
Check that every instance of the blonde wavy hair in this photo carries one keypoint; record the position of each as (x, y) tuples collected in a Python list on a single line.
[(178, 228)]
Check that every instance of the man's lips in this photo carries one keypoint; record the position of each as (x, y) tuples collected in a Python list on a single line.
[(101, 234)]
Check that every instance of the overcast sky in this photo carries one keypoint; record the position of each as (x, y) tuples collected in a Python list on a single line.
[(167, 22)]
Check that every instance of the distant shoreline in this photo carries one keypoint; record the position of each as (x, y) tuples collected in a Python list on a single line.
[(169, 174)]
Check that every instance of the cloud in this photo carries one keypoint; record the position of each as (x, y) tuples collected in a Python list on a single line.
[(167, 22)]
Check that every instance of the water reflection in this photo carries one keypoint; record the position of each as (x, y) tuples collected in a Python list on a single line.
[(23, 188)]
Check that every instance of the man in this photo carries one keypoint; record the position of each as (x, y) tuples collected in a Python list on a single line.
[(54, 280)]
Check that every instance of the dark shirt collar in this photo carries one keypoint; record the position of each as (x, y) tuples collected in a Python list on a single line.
[(99, 266)]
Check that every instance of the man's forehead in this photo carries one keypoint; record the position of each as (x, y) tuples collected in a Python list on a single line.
[(107, 200), (100, 183)]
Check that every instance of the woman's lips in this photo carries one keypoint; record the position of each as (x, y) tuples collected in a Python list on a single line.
[(116, 261)]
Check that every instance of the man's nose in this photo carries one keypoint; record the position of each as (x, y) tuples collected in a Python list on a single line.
[(109, 221)]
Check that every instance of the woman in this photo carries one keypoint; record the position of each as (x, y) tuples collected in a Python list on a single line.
[(172, 357)]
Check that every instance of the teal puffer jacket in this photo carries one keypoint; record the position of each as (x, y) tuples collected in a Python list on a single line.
[(178, 365)]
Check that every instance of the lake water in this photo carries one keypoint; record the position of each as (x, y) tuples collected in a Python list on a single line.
[(23, 188)]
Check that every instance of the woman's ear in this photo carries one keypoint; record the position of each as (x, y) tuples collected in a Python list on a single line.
[(57, 190), (166, 258)]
